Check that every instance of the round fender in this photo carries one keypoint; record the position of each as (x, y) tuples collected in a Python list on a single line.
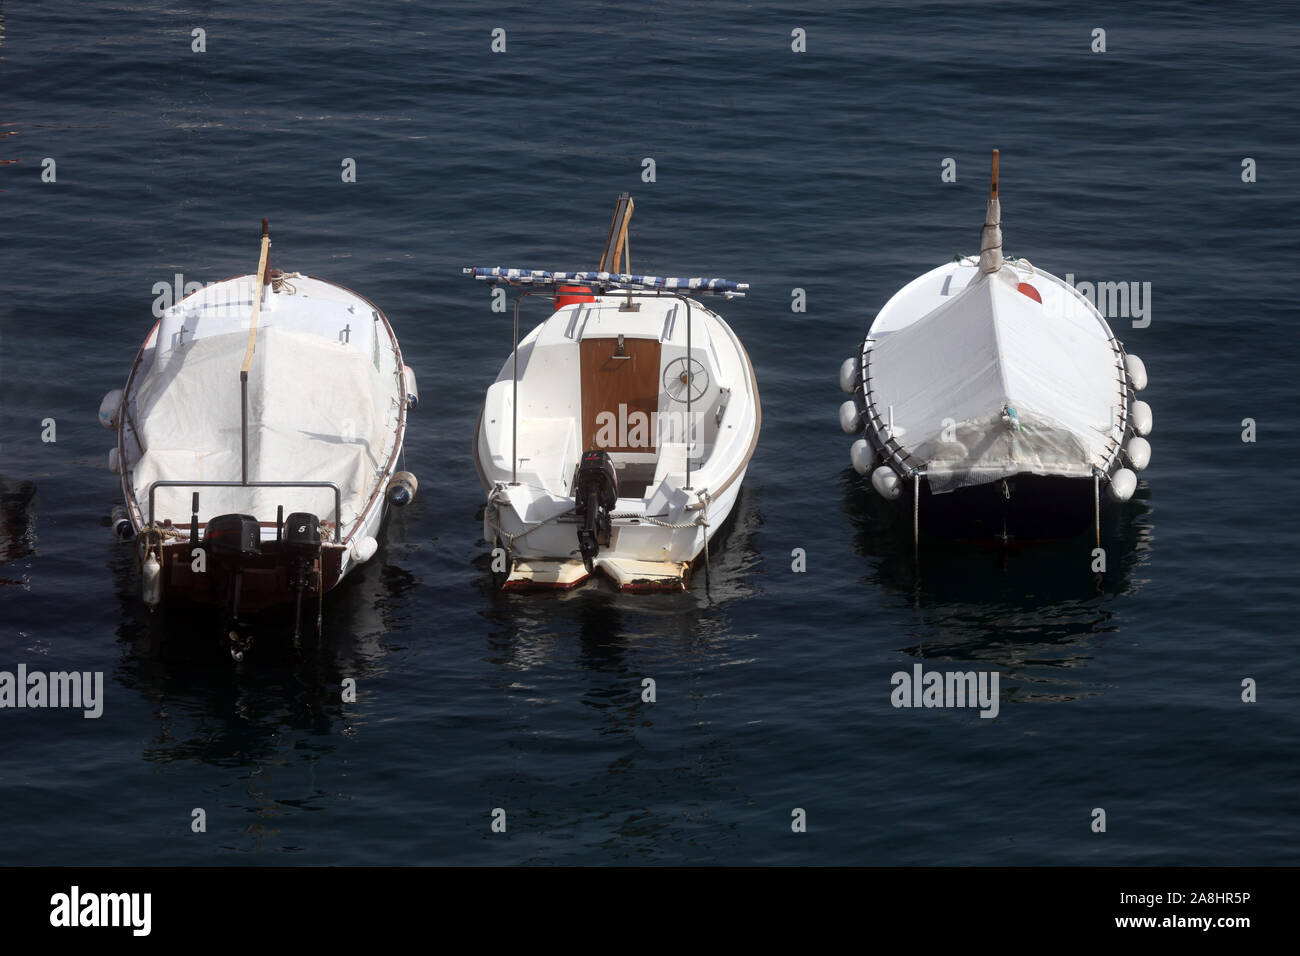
[(886, 482), (1141, 413), (849, 376), (1122, 485)]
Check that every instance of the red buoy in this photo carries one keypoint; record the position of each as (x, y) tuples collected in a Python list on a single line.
[(1030, 291), (569, 294)]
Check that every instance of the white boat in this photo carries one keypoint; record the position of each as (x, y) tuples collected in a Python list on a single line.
[(617, 434), (258, 442), (994, 400)]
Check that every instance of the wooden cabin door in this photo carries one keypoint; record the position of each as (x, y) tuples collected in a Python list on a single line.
[(621, 391)]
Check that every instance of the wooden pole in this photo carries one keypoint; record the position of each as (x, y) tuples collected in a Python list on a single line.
[(616, 242), (257, 299), (248, 353), (993, 187)]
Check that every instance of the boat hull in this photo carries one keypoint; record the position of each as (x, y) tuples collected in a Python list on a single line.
[(659, 531), (1022, 508), (265, 578), (629, 563), (952, 383)]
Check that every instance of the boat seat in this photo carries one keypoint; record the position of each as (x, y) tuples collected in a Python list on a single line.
[(670, 475), (634, 477), (545, 446), (671, 461)]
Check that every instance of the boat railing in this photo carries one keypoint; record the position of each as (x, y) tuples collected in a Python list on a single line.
[(338, 495)]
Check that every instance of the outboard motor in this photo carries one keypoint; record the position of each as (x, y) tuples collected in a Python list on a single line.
[(595, 494), (302, 546), (230, 540)]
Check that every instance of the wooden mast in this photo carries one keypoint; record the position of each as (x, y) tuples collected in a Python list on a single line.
[(258, 289), (257, 299), (991, 236), (616, 245)]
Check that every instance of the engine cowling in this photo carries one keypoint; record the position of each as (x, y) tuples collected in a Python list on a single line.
[(595, 493)]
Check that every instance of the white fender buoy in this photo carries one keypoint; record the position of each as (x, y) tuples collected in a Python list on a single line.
[(114, 462), (363, 548), (886, 482), (412, 389), (1138, 450), (849, 376), (862, 456), (1122, 485), (109, 408), (1137, 372), (850, 418), (1141, 413), (151, 581)]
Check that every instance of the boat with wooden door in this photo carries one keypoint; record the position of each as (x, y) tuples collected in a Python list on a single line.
[(259, 437), (993, 400), (617, 434)]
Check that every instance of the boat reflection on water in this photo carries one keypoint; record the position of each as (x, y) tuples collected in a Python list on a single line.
[(634, 765), (525, 631), (1036, 611), (17, 528), (213, 710)]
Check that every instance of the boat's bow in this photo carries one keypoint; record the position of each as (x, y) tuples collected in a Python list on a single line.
[(994, 383), (985, 369)]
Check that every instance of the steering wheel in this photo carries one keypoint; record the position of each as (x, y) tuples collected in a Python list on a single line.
[(683, 375)]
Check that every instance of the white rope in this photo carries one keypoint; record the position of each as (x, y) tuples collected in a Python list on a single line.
[(493, 506), (701, 520), (1022, 263), (658, 523)]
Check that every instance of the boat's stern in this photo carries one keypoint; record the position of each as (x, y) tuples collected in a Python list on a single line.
[(532, 574), (643, 576)]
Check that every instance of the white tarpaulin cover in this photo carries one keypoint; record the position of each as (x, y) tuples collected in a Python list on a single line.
[(987, 347), (317, 411)]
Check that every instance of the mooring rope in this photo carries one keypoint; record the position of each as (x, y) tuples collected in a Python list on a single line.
[(152, 536), (701, 519)]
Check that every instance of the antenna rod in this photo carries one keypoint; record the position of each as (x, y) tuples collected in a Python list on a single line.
[(690, 386), (514, 405)]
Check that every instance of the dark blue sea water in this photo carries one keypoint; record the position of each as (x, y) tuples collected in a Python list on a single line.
[(816, 170)]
